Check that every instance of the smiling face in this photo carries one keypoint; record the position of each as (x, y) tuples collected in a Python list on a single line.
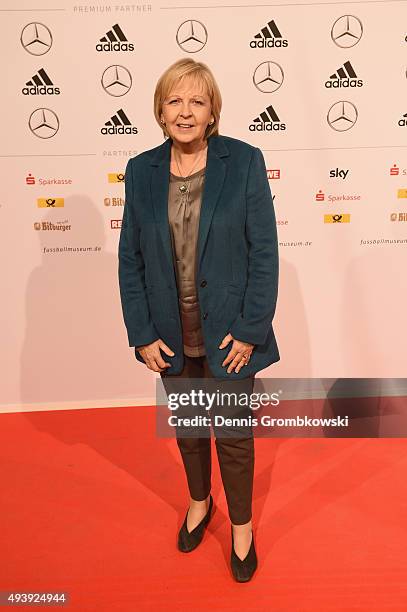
[(186, 111)]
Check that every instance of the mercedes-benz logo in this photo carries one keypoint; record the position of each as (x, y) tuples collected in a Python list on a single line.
[(342, 116), (192, 36), (116, 80), (347, 31), (268, 77), (36, 38), (43, 123)]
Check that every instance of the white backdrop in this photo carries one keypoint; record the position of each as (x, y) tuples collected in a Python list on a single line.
[(342, 152)]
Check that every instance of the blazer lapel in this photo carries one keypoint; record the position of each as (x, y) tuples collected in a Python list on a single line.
[(160, 178), (214, 179)]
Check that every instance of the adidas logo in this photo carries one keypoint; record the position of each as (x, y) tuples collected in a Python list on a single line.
[(344, 77), (267, 121), (114, 40), (40, 84), (119, 124), (403, 122), (269, 36)]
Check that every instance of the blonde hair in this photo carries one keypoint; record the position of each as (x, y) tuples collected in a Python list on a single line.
[(200, 72)]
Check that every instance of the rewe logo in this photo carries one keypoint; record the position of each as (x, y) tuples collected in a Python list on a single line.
[(40, 85), (267, 121), (118, 124), (273, 173), (344, 77), (268, 37), (114, 40)]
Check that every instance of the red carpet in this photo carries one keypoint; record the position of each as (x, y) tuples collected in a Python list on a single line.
[(92, 501)]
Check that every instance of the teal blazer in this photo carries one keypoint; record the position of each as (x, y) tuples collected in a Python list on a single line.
[(237, 256)]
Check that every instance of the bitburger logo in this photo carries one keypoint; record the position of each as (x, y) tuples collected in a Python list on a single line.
[(113, 201), (401, 216), (267, 121), (114, 40), (268, 37), (40, 85), (118, 124), (47, 226), (345, 76)]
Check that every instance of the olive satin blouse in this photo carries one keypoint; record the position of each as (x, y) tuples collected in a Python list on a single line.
[(183, 216)]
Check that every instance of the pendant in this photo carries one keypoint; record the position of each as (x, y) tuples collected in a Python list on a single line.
[(183, 188)]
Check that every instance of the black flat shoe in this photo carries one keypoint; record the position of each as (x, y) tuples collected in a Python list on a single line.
[(243, 570), (188, 541)]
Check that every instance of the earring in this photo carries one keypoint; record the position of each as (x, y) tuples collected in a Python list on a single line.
[(211, 122), (162, 121)]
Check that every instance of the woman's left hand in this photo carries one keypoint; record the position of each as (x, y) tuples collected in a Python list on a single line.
[(239, 354)]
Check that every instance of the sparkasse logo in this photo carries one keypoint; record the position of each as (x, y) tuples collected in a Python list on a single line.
[(114, 40)]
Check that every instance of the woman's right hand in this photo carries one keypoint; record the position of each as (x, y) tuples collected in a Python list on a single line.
[(152, 356)]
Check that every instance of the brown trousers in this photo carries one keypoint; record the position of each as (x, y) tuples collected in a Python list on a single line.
[(235, 454)]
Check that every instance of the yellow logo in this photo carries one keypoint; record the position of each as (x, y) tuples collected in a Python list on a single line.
[(344, 218), (50, 202), (402, 193), (115, 177)]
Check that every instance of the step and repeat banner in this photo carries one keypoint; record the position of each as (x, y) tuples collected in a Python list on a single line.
[(320, 88)]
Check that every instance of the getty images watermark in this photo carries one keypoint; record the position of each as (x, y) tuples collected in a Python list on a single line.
[(202, 400), (282, 408)]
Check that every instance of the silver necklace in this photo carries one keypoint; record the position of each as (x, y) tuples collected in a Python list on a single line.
[(183, 187)]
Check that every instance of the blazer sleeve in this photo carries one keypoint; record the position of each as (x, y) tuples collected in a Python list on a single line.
[(136, 314), (253, 323)]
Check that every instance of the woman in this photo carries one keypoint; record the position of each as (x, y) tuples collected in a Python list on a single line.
[(198, 273)]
